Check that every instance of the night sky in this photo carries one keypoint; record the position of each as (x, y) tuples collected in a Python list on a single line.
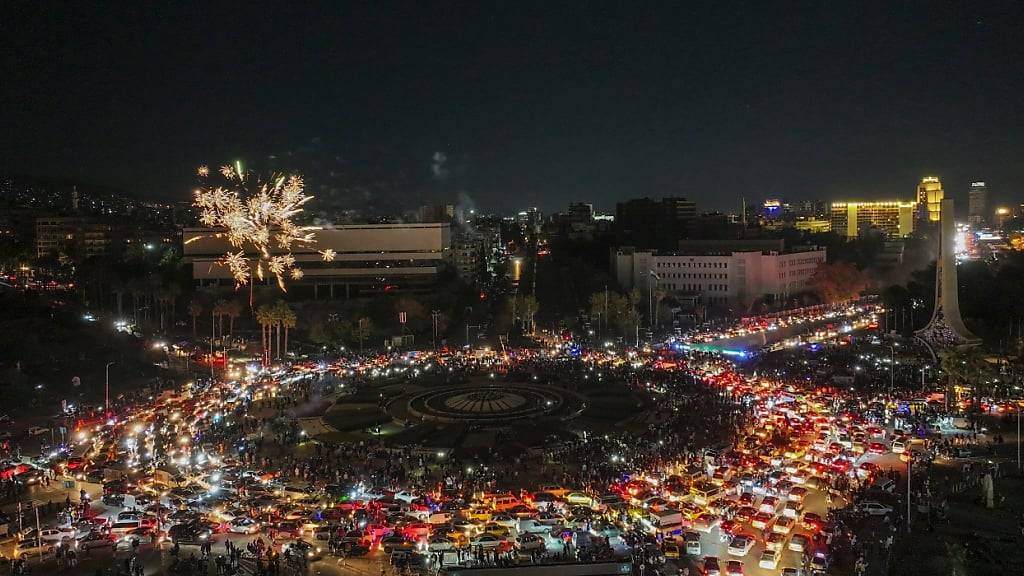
[(518, 104)]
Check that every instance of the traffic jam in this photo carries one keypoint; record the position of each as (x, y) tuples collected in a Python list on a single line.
[(181, 470)]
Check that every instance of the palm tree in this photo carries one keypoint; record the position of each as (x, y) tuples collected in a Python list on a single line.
[(195, 308), (233, 310), (220, 309), (265, 317), (287, 319)]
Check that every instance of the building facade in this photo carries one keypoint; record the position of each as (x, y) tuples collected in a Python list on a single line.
[(929, 199), (732, 278), (76, 236), (370, 259), (894, 219), (977, 201)]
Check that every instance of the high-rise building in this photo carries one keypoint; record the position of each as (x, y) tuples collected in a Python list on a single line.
[(581, 213), (977, 198), (894, 219), (929, 199)]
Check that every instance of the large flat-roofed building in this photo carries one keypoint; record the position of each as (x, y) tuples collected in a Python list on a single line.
[(81, 237), (894, 218), (370, 258), (722, 278)]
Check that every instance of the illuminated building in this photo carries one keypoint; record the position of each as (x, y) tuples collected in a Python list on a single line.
[(722, 277), (895, 219), (977, 198), (368, 259), (929, 199), (1002, 215), (815, 225)]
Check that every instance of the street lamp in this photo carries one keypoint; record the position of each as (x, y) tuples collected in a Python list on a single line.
[(106, 388)]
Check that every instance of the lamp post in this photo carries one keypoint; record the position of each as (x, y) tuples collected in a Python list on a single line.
[(910, 461), (106, 388)]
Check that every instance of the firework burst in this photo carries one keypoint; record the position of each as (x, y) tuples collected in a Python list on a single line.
[(257, 218)]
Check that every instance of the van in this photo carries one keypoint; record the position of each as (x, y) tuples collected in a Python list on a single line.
[(122, 527), (705, 493)]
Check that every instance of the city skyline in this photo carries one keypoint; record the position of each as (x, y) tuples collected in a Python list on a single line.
[(409, 105)]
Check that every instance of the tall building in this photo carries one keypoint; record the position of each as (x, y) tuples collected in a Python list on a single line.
[(370, 259), (977, 199), (722, 276), (581, 213), (655, 223), (77, 237), (894, 219), (929, 199)]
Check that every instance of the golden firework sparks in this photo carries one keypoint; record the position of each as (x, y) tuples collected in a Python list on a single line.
[(203, 171), (328, 255), (257, 217)]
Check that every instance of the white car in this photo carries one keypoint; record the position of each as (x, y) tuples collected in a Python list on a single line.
[(440, 543), (783, 525), (770, 559), (798, 543), (530, 542), (899, 447), (51, 535), (740, 545), (875, 509)]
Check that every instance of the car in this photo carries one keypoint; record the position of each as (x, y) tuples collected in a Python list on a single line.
[(396, 543), (243, 525), (740, 545), (792, 509), (28, 548), (191, 531), (692, 540), (142, 536), (705, 522), (899, 447), (783, 525), (769, 504), (671, 550), (93, 539), (579, 498), (530, 542), (301, 548), (812, 521), (761, 520), (745, 514), (441, 543), (775, 541), (734, 568), (486, 541), (798, 543), (874, 509), (877, 448), (770, 559), (51, 535), (711, 567), (730, 527)]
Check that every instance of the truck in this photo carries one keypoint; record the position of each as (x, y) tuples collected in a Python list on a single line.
[(664, 522)]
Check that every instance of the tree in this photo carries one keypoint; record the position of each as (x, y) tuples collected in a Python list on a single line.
[(265, 318), (233, 309), (968, 366), (286, 319), (363, 327), (837, 282), (195, 308)]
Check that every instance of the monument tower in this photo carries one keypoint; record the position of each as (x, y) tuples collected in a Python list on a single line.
[(946, 328)]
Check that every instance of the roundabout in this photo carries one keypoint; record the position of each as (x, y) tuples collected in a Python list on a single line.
[(491, 403)]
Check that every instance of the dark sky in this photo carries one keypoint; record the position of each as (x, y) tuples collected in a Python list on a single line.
[(529, 103)]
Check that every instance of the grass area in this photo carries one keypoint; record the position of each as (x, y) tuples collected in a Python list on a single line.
[(355, 417)]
